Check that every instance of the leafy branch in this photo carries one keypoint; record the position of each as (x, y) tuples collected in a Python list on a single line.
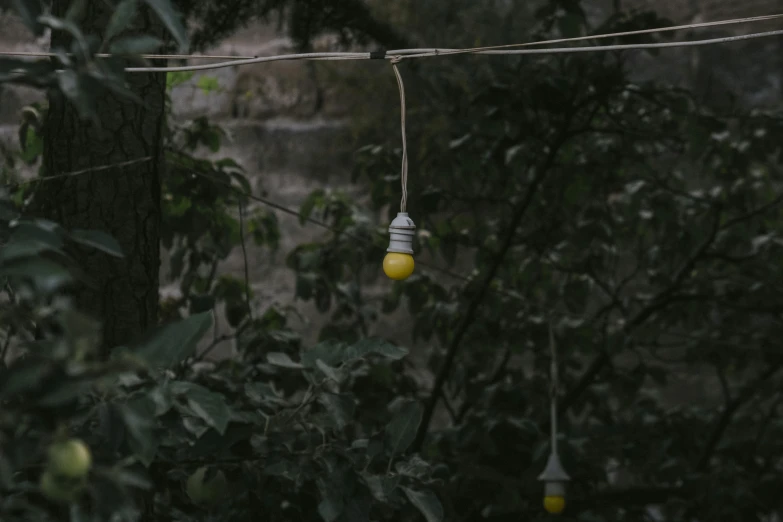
[(470, 315)]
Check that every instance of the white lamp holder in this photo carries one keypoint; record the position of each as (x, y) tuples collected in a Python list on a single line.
[(555, 477), (401, 232)]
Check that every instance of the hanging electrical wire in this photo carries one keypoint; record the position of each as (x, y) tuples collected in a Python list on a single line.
[(554, 476), (398, 263)]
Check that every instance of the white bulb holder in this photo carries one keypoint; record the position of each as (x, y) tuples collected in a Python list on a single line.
[(554, 472), (554, 489), (401, 232)]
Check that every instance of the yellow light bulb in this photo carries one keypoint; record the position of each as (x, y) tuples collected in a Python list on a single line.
[(398, 266), (554, 505)]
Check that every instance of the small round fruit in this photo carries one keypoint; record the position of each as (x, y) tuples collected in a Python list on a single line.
[(554, 505), (60, 489), (398, 266), (70, 458), (206, 492)]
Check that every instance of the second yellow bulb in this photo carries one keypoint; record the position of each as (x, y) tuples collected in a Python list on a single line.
[(554, 505)]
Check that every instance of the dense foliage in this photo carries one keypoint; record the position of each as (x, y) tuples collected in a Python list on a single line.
[(636, 221)]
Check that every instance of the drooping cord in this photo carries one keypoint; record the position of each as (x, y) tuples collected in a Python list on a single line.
[(404, 174)]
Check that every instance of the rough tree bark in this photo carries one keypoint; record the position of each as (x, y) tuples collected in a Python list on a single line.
[(123, 201)]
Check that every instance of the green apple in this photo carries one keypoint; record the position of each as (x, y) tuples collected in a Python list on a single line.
[(70, 458), (206, 492)]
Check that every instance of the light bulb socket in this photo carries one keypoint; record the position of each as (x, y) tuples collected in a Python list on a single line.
[(554, 489), (554, 471), (401, 232)]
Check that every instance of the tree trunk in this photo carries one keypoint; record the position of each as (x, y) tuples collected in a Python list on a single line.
[(123, 201)]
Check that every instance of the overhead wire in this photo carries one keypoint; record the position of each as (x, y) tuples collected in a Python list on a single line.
[(425, 53), (99, 168), (435, 52), (697, 25), (506, 49)]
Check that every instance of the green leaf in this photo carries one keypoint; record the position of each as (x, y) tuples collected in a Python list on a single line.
[(133, 45), (381, 486), (305, 283), (211, 407), (41, 230), (414, 467), (278, 466), (38, 73), (46, 273), (29, 11), (129, 478), (282, 360), (64, 393), (122, 17), (99, 240), (334, 354), (212, 442), (138, 415), (261, 392), (340, 406), (62, 24), (332, 373), (330, 509), (201, 303), (208, 84), (172, 20), (173, 343), (23, 376), (32, 148), (402, 428), (357, 509), (314, 199), (213, 141), (426, 502), (328, 352), (16, 249), (376, 346), (177, 78)]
